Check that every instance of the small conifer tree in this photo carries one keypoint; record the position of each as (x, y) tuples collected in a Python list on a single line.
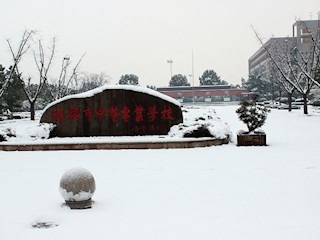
[(252, 114)]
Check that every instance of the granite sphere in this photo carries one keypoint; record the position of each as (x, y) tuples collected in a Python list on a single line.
[(77, 184)]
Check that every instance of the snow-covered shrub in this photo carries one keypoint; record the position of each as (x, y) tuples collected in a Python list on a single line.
[(2, 138), (15, 131), (201, 131), (252, 114), (200, 122), (5, 134)]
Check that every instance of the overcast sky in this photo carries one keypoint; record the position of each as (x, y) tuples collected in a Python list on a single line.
[(138, 37)]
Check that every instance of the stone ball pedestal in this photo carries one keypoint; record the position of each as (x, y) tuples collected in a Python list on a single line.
[(77, 186)]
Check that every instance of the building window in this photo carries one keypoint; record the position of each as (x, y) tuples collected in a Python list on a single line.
[(305, 35)]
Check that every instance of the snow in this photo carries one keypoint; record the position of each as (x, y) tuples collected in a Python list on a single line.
[(29, 131), (196, 117), (70, 196), (223, 192), (121, 87)]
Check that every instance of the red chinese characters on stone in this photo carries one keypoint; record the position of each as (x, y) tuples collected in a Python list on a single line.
[(88, 113), (138, 111), (152, 113), (58, 115), (166, 113), (100, 113), (125, 113), (113, 111), (74, 114), (116, 113)]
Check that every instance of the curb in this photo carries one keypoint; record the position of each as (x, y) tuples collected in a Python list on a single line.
[(114, 146)]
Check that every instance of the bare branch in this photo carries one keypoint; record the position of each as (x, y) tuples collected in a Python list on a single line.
[(22, 49), (74, 73), (275, 62), (42, 67)]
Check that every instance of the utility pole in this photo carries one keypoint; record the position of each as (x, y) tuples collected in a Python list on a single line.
[(192, 76)]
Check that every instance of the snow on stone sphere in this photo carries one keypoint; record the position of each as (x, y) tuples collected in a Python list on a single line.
[(77, 184)]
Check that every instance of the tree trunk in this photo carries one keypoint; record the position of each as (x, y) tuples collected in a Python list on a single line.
[(305, 104), (273, 94), (290, 101), (32, 110), (280, 97)]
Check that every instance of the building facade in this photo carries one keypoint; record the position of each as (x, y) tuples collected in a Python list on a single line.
[(301, 41), (207, 93)]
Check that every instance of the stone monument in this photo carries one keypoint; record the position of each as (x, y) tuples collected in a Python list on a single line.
[(121, 110)]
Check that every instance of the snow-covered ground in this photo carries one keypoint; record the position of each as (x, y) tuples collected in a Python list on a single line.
[(222, 192)]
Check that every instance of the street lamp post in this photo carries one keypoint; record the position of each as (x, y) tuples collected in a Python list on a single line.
[(170, 62), (192, 76), (192, 84)]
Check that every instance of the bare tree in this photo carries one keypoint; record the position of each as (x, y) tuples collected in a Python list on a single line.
[(88, 81), (43, 66), (17, 56), (285, 85), (308, 61), (298, 67), (281, 50), (67, 81)]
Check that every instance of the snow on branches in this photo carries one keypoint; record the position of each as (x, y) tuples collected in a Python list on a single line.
[(252, 114)]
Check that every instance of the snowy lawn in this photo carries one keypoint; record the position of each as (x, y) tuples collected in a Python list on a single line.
[(223, 192)]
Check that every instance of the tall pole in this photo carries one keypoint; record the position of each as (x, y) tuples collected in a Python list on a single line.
[(170, 62), (192, 76)]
